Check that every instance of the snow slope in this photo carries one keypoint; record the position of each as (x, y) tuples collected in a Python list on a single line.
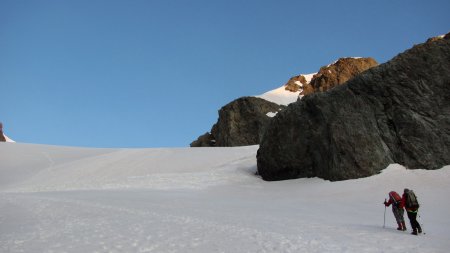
[(65, 199)]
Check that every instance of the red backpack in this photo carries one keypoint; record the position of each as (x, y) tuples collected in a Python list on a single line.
[(395, 197)]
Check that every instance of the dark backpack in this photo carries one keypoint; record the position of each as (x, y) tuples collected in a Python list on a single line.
[(411, 200)]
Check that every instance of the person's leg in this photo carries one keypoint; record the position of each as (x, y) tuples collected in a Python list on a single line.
[(398, 217), (412, 218), (419, 228), (401, 213)]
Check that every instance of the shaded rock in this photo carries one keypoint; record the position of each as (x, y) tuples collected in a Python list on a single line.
[(240, 123), (338, 73), (398, 112), (205, 140)]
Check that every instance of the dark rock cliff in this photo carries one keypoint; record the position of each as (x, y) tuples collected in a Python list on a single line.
[(398, 112)]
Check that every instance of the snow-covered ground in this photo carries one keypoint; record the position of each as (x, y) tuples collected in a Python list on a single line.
[(67, 199)]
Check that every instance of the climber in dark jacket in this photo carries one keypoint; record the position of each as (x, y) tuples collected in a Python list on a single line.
[(412, 207)]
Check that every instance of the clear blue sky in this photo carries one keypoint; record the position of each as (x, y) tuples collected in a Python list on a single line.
[(102, 73)]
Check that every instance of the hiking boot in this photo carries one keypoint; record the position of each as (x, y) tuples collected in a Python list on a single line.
[(419, 230), (403, 226), (414, 232)]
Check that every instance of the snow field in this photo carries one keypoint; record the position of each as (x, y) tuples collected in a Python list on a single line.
[(63, 199)]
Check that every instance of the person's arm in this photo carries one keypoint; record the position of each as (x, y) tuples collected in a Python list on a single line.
[(388, 203)]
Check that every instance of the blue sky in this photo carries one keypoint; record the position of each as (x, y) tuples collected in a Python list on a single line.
[(155, 73)]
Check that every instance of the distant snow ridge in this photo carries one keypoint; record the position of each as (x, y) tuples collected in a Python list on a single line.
[(282, 96)]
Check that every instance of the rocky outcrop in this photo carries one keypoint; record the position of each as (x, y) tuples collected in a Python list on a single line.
[(398, 112), (337, 73), (296, 83), (226, 132), (240, 123), (205, 140), (2, 136)]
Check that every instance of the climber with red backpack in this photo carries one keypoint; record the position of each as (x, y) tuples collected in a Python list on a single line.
[(397, 208), (411, 205)]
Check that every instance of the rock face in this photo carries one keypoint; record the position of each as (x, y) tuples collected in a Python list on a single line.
[(240, 123), (398, 112), (337, 73)]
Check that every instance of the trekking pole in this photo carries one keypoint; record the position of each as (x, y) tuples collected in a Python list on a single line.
[(384, 220), (421, 224)]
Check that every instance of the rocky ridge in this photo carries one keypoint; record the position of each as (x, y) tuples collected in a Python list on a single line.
[(242, 121), (397, 112), (337, 73)]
